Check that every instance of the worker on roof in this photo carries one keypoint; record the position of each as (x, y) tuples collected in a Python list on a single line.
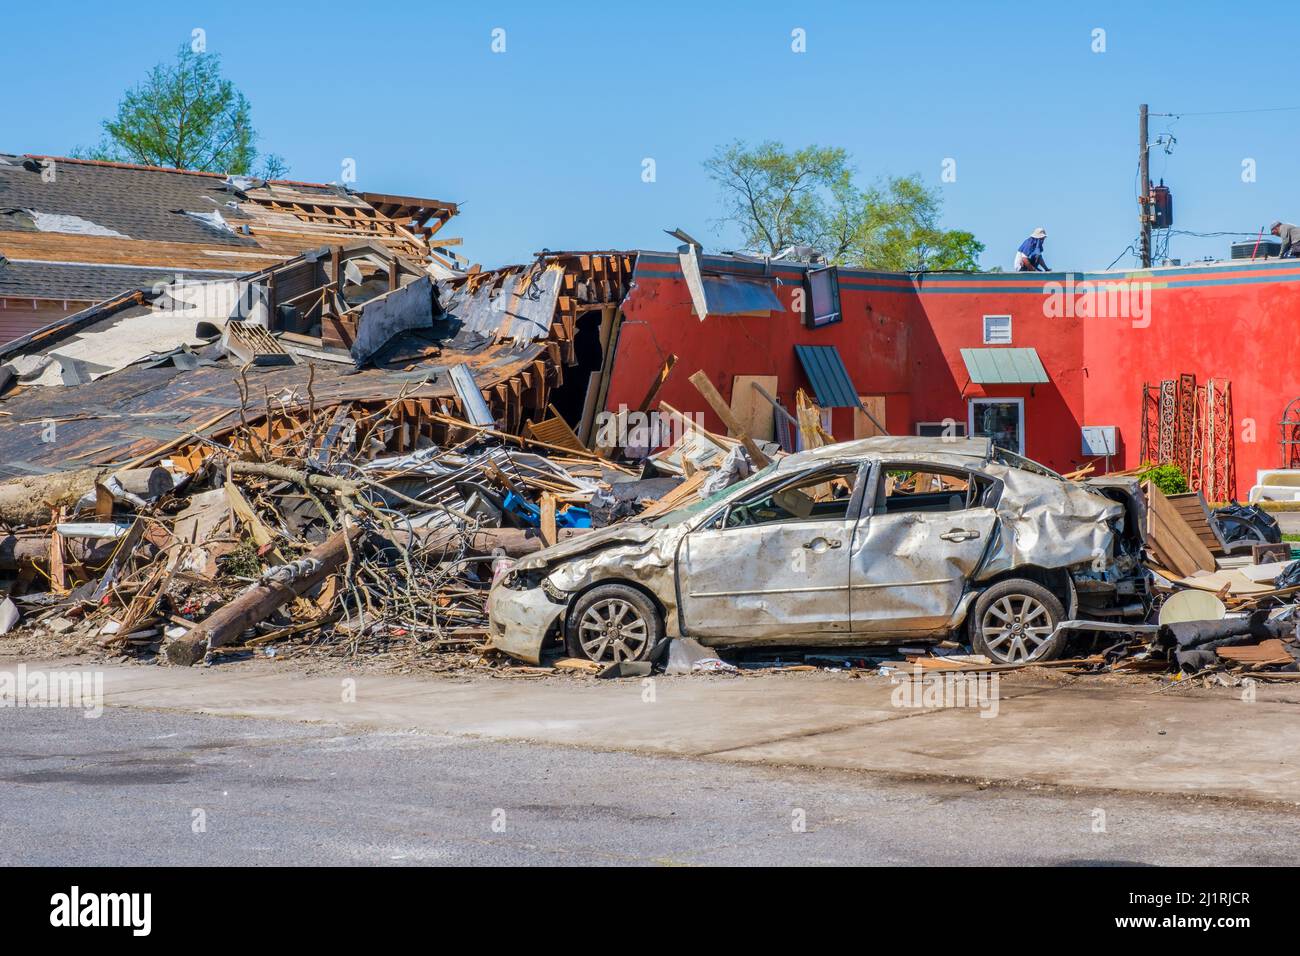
[(1290, 236), (1029, 257)]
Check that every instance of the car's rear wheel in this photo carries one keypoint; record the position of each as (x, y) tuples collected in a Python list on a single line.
[(1013, 623), (613, 622)]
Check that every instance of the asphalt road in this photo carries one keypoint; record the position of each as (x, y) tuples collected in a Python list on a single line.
[(141, 787)]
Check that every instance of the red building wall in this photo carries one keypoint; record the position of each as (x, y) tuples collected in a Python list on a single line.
[(901, 337)]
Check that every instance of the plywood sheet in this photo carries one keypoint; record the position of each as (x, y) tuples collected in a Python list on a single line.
[(751, 409), (864, 427), (1265, 652)]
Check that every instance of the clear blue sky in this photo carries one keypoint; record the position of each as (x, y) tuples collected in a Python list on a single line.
[(543, 144)]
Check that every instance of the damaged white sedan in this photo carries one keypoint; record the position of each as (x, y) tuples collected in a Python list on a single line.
[(861, 543)]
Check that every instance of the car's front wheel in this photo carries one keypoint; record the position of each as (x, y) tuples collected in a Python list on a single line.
[(613, 622), (1013, 622)]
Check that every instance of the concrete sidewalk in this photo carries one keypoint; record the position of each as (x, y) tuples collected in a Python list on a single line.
[(1081, 733)]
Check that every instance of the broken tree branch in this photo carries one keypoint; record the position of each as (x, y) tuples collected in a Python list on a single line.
[(258, 601)]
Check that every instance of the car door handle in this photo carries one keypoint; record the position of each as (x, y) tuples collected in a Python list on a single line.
[(812, 545), (959, 534)]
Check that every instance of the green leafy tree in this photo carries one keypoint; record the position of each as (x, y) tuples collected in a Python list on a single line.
[(780, 198), (185, 115), (899, 231)]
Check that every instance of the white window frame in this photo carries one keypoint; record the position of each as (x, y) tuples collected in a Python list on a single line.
[(1020, 426), (989, 341)]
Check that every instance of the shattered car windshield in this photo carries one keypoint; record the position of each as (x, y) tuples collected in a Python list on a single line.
[(681, 514)]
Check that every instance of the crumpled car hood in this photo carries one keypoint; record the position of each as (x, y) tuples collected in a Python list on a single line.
[(585, 543)]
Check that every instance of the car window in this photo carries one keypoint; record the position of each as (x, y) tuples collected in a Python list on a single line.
[(824, 496), (678, 515), (904, 488)]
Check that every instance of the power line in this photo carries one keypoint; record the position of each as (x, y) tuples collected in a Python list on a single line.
[(1212, 235), (1267, 109), (1127, 249)]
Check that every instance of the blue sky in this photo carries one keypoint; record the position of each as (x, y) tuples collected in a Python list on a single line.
[(543, 144)]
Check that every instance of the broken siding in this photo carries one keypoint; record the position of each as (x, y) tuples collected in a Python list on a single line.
[(516, 303)]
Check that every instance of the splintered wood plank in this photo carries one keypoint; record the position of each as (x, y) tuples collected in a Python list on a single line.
[(683, 494), (58, 576)]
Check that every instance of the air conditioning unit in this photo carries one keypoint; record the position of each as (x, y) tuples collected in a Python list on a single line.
[(1256, 248)]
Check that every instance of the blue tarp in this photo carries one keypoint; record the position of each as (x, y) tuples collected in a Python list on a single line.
[(571, 517)]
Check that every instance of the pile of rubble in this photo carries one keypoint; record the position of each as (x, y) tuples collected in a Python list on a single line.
[(343, 555), (304, 544)]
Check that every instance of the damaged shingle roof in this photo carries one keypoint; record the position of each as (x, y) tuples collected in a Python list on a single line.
[(84, 283), (138, 203)]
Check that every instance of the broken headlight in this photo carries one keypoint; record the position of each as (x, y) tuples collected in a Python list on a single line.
[(522, 580), (529, 580)]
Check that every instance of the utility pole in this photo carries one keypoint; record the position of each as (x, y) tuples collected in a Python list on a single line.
[(1144, 199)]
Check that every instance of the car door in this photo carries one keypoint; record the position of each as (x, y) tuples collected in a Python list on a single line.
[(922, 534), (774, 564)]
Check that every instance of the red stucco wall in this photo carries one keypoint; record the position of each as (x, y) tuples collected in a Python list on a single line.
[(902, 336)]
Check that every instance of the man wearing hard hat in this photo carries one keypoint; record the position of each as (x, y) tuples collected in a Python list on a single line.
[(1029, 257)]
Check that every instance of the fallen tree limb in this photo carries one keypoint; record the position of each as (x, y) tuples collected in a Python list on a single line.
[(285, 473), (344, 486), (27, 551), (28, 501), (258, 601), (515, 542)]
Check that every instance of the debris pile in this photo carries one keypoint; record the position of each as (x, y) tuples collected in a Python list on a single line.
[(294, 538), (333, 552)]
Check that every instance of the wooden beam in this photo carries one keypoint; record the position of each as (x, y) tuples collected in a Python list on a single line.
[(548, 518), (723, 411), (664, 371)]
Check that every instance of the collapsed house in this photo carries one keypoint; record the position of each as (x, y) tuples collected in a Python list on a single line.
[(344, 332), (76, 232)]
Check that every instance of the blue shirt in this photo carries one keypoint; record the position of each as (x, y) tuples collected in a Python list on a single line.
[(1032, 248)]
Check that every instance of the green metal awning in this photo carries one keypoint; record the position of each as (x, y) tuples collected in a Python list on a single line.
[(830, 379), (1003, 366)]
